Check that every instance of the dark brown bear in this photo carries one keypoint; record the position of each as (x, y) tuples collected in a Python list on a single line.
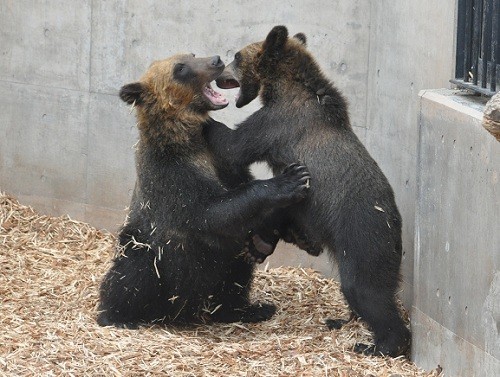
[(350, 211), (180, 253)]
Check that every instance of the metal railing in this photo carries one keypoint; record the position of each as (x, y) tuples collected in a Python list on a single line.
[(478, 46)]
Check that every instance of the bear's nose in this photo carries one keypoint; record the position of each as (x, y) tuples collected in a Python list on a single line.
[(216, 61)]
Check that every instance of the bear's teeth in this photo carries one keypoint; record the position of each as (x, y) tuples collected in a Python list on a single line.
[(213, 96)]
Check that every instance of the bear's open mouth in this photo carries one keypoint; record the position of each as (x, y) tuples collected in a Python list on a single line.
[(227, 83), (214, 97)]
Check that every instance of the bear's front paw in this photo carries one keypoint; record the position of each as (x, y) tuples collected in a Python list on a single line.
[(250, 313), (301, 240), (257, 312), (257, 250), (293, 184)]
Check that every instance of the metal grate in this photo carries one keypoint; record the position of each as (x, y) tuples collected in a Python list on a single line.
[(478, 47)]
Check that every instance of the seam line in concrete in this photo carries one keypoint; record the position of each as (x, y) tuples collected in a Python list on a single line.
[(58, 87), (368, 65), (86, 191), (414, 308), (418, 184)]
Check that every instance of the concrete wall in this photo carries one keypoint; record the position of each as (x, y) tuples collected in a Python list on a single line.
[(66, 139), (411, 48), (456, 308)]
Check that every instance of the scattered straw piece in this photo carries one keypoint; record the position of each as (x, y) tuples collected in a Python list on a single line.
[(50, 274)]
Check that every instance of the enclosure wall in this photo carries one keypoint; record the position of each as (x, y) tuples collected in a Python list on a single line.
[(456, 307), (66, 139)]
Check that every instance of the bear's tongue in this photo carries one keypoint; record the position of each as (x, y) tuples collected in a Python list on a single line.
[(214, 97)]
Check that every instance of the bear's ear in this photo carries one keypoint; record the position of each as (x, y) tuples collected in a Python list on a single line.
[(275, 40), (301, 37), (132, 93)]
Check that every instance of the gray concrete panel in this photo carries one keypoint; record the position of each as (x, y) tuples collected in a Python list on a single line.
[(104, 218), (411, 48), (127, 36), (44, 148), (111, 165), (289, 255), (45, 42), (434, 344), (457, 261), (68, 151)]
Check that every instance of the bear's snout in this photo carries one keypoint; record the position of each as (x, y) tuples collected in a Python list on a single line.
[(216, 61)]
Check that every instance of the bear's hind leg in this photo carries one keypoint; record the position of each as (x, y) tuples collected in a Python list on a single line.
[(337, 324), (377, 306), (391, 336), (130, 293), (251, 313), (233, 297)]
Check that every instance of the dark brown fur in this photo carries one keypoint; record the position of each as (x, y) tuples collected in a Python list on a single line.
[(351, 210), (180, 253)]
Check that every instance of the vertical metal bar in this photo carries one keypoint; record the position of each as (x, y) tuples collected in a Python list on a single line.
[(476, 38), (467, 66), (497, 82), (495, 45), (478, 46), (485, 45), (460, 51)]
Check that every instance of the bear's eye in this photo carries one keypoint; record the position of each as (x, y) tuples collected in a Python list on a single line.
[(237, 57), (179, 68), (182, 72)]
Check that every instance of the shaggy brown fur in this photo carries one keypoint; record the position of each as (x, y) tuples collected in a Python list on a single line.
[(351, 211), (180, 253)]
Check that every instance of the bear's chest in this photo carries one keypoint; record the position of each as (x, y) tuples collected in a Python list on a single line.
[(204, 164)]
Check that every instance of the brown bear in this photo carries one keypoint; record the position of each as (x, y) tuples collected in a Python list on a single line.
[(180, 256), (351, 210)]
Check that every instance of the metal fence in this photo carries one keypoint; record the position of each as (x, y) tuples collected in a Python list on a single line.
[(478, 47)]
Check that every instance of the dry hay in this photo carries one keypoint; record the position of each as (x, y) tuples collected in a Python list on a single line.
[(50, 273)]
